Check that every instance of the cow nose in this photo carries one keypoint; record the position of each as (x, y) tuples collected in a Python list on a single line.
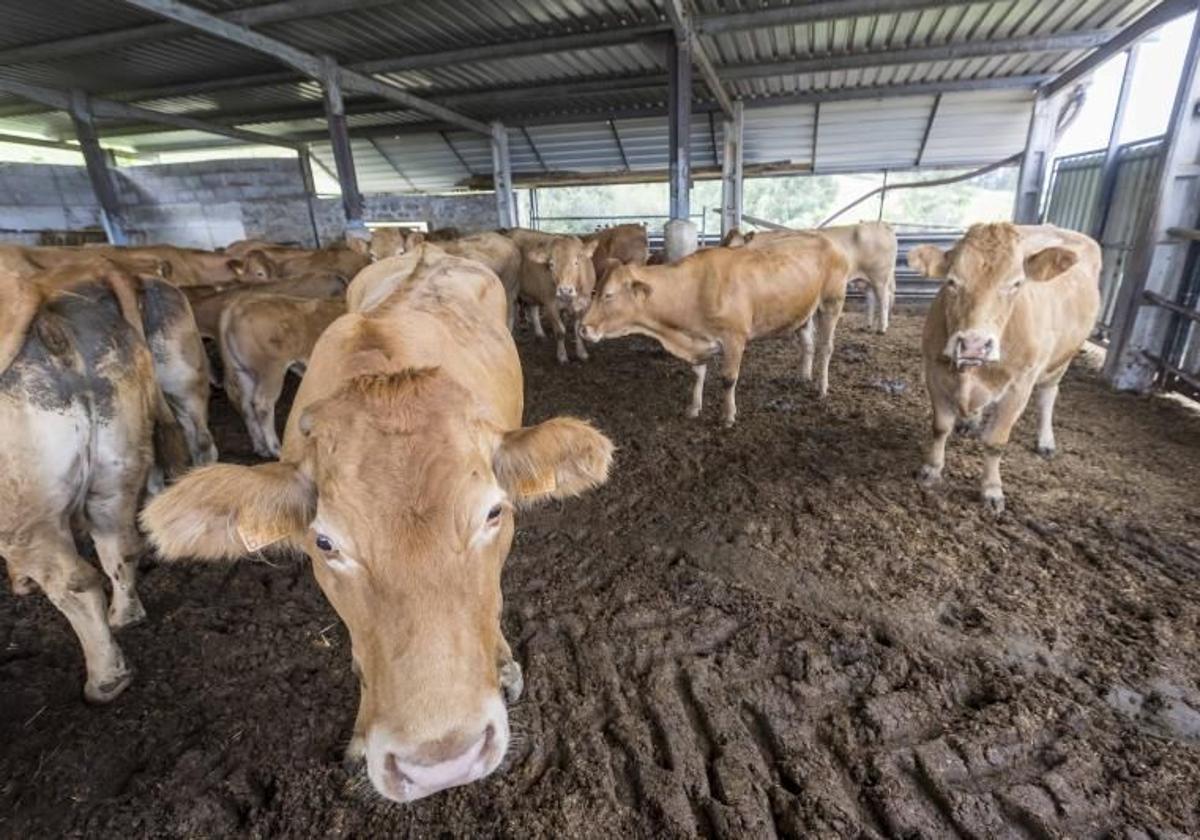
[(975, 347), (566, 292), (411, 778), (587, 332)]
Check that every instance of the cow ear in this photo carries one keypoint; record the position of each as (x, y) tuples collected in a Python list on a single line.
[(1049, 263), (358, 245), (928, 260), (538, 255), (225, 511), (165, 269), (589, 247), (640, 289), (238, 267), (552, 460)]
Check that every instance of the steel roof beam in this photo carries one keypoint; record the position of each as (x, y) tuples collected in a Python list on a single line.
[(105, 109), (680, 14), (1158, 16), (103, 41), (712, 24), (311, 65)]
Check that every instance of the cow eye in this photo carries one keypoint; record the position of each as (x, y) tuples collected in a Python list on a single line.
[(324, 543), (495, 513)]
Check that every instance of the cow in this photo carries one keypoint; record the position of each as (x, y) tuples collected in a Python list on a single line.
[(1016, 305), (716, 300), (181, 266), (497, 252), (167, 324), (209, 301), (870, 248), (260, 336), (403, 461), (557, 274), (625, 243), (264, 265), (81, 422)]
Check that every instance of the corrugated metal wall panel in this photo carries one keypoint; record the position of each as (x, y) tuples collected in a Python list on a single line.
[(878, 133), (978, 127), (779, 134)]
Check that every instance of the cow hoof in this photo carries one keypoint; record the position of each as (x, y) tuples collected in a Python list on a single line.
[(134, 613), (692, 413), (993, 500), (928, 476), (110, 689), (728, 422), (1046, 452), (512, 681)]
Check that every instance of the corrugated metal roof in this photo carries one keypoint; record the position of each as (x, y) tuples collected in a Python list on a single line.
[(622, 80)]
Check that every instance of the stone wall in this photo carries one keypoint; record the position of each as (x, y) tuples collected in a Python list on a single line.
[(211, 203)]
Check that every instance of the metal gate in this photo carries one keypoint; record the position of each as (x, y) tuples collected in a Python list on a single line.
[(1073, 202)]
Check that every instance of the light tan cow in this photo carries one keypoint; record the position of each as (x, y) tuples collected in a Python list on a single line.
[(266, 265), (870, 248), (1016, 306), (497, 252), (625, 243), (716, 300), (260, 336), (181, 266), (403, 461), (81, 420), (557, 274), (209, 301)]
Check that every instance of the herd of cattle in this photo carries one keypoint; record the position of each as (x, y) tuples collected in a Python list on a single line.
[(404, 457)]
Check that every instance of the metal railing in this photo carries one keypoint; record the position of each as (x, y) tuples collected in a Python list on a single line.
[(1073, 202)]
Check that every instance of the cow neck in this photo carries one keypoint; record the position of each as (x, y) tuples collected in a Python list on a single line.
[(672, 312)]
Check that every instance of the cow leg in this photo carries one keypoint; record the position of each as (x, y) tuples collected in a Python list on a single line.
[(118, 555), (827, 316), (701, 372), (1047, 395), (872, 306), (995, 437), (580, 351), (881, 289), (266, 395), (560, 334), (731, 366), (806, 349), (77, 590), (935, 455), (191, 410), (534, 314)]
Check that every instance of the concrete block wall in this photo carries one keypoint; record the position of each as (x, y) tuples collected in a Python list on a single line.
[(211, 203)]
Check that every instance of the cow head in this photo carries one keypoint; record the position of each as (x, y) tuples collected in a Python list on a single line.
[(256, 267), (403, 498), (387, 242), (734, 239), (569, 261), (983, 274), (617, 304)]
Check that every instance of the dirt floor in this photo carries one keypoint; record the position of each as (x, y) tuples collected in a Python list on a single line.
[(764, 631)]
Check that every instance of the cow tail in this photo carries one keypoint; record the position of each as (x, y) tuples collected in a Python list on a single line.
[(171, 451), (230, 362)]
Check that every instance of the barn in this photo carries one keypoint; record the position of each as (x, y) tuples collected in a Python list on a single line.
[(795, 625)]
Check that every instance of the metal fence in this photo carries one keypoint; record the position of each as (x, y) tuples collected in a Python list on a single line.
[(1074, 202)]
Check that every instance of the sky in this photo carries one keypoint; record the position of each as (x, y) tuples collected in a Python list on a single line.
[(1159, 63)]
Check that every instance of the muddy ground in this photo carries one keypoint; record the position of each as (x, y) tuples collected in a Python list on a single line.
[(769, 630)]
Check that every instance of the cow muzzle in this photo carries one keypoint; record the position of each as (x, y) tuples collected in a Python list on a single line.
[(590, 333), (406, 773), (971, 349)]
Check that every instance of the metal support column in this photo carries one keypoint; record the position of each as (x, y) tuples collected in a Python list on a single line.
[(1035, 165), (506, 201), (731, 171), (1111, 167), (343, 156), (679, 118), (1142, 323), (304, 159), (96, 159)]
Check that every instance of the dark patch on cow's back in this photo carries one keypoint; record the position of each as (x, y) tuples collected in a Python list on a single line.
[(79, 344), (163, 307)]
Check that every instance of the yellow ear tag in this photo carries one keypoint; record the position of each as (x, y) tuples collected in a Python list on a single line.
[(538, 486), (256, 540)]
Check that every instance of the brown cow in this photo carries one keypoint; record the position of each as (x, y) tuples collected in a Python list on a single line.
[(266, 265), (260, 337), (81, 418), (557, 274), (870, 248), (1016, 306), (209, 301), (625, 243), (181, 266), (403, 461), (497, 252), (716, 300)]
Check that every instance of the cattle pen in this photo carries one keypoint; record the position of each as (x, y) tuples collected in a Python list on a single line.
[(297, 359)]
